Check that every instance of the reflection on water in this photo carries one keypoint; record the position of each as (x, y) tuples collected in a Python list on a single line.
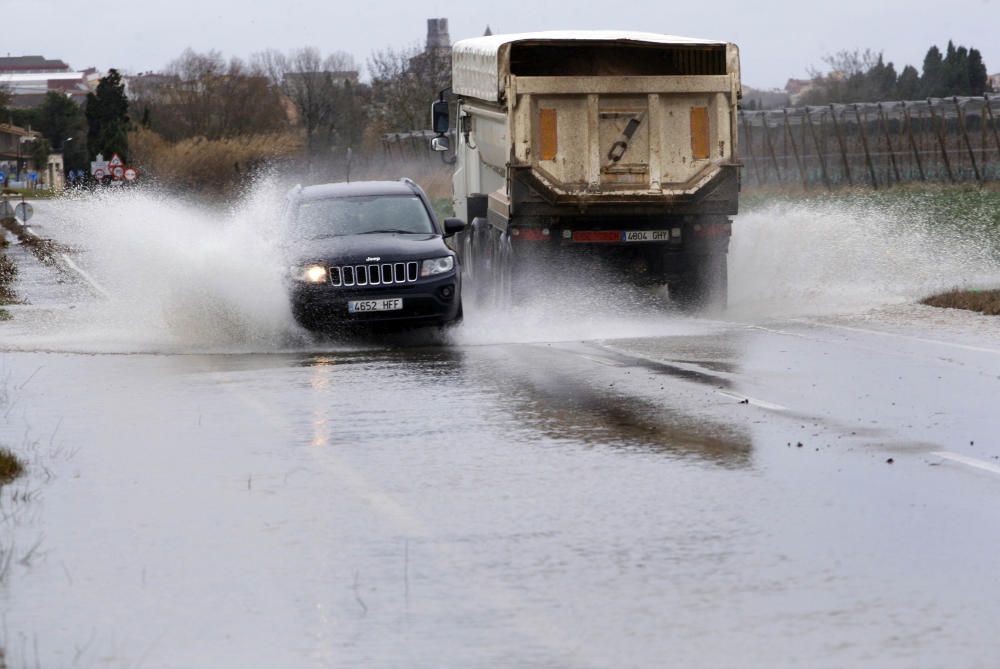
[(566, 403), (521, 393)]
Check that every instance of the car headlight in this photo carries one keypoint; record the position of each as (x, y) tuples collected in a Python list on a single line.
[(311, 274), (437, 266)]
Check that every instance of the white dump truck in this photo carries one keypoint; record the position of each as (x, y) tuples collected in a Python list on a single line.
[(594, 151)]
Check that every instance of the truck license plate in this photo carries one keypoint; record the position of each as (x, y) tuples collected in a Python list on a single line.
[(616, 236), (646, 236), (386, 304)]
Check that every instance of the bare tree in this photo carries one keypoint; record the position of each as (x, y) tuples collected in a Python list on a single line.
[(203, 95), (324, 92), (404, 83)]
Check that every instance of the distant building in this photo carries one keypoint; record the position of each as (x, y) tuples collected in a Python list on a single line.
[(30, 78), (437, 49), (796, 88), (15, 145), (754, 98), (994, 81), (31, 64), (438, 38)]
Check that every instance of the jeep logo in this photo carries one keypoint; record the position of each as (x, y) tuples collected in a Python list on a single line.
[(373, 258)]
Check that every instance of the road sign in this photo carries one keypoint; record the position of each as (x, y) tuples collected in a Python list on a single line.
[(115, 161), (99, 164), (24, 211), (2, 176), (118, 172), (33, 176), (131, 174)]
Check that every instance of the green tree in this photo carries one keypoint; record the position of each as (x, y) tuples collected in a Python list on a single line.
[(107, 117), (956, 70), (63, 123), (932, 83), (908, 84), (978, 78), (879, 82), (39, 153)]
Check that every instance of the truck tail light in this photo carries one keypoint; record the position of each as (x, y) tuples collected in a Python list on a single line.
[(530, 234), (712, 230)]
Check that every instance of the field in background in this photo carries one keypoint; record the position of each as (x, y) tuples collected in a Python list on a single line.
[(967, 208)]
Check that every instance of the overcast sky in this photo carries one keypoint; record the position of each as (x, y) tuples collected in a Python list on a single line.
[(778, 39)]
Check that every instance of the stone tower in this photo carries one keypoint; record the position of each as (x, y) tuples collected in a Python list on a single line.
[(437, 34)]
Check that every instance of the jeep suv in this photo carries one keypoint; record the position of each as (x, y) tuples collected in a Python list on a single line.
[(370, 252)]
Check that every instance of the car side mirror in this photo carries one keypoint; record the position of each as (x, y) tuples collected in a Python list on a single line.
[(453, 225), (440, 116)]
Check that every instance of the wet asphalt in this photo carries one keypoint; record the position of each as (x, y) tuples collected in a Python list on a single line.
[(657, 491)]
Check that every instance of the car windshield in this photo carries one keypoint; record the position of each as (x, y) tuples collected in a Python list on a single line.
[(361, 215)]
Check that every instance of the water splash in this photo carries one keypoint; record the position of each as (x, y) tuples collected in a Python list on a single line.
[(187, 277), (851, 254), (180, 276)]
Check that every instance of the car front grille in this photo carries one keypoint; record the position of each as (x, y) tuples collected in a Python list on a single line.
[(385, 274)]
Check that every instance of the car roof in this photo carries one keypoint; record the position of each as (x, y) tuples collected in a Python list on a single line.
[(355, 189)]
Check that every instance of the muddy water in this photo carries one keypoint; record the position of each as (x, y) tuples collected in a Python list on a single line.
[(569, 485)]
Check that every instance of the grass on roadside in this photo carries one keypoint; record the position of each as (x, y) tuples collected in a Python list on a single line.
[(10, 466), (8, 275), (42, 248), (984, 301), (31, 194)]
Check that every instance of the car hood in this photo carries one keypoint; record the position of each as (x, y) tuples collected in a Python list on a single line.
[(389, 247)]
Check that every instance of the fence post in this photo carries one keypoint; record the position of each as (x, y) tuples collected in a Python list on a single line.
[(993, 125), (819, 152), (770, 147), (843, 147), (795, 151), (749, 144), (892, 152), (936, 125), (864, 144), (982, 142), (965, 135), (913, 143)]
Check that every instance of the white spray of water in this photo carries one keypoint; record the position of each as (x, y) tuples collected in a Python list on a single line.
[(180, 276), (183, 277), (837, 257)]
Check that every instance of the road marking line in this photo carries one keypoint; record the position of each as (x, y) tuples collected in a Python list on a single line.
[(86, 277), (533, 625), (966, 460), (73, 266), (923, 340), (750, 400), (600, 361)]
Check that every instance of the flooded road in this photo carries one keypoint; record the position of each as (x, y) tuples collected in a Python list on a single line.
[(548, 488)]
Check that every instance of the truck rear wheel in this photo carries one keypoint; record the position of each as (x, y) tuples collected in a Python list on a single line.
[(704, 286)]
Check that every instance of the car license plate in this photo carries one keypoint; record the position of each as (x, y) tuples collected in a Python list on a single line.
[(385, 304), (645, 235)]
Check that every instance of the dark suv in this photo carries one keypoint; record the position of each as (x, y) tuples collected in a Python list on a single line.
[(370, 252)]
